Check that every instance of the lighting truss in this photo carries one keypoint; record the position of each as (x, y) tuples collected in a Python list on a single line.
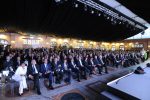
[(113, 14), (108, 11)]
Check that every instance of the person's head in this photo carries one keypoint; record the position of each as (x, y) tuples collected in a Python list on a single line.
[(23, 64), (33, 62), (45, 61), (55, 59), (95, 57), (18, 58), (8, 58), (65, 60)]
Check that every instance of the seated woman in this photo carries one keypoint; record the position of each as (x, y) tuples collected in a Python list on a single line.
[(20, 76), (139, 70)]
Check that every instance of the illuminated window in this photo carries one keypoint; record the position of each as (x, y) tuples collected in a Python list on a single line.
[(113, 48), (53, 44), (31, 41), (4, 42), (121, 47)]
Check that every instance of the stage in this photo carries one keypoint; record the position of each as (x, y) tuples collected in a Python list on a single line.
[(132, 86)]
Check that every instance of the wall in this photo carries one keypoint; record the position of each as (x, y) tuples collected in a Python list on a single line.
[(17, 41)]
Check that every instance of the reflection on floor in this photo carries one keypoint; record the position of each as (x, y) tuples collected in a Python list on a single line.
[(90, 89)]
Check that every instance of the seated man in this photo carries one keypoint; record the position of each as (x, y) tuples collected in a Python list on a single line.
[(8, 65), (47, 72), (139, 70), (97, 64), (66, 70), (74, 69), (58, 73), (81, 67), (33, 74), (86, 64)]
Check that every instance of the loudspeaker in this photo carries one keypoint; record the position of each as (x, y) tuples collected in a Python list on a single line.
[(148, 64)]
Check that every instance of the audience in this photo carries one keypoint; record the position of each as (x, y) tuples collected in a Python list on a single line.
[(59, 65)]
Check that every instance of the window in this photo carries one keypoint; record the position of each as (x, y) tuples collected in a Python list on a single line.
[(121, 47), (4, 42), (31, 41)]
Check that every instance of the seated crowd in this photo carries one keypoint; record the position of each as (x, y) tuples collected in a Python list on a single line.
[(61, 65)]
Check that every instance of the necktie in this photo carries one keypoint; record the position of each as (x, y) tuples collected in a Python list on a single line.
[(33, 69)]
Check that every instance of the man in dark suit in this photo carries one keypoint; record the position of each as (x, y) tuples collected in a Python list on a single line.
[(8, 65), (81, 67), (86, 64), (66, 71), (74, 69), (97, 64), (47, 72), (57, 70), (102, 60), (33, 74)]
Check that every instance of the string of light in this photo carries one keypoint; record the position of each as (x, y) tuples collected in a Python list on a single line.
[(109, 14)]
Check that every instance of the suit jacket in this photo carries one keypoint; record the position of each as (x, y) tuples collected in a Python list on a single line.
[(7, 65), (100, 61), (56, 66), (85, 63), (44, 69), (63, 68), (96, 62), (78, 63), (90, 63), (71, 65), (30, 69)]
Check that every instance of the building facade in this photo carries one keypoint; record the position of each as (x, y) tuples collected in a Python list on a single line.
[(37, 41)]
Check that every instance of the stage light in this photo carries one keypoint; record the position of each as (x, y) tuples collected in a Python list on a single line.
[(31, 37), (57, 1), (85, 7), (112, 19), (76, 5), (99, 14), (92, 12), (12, 42), (108, 17)]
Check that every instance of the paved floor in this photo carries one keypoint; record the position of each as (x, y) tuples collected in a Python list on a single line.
[(90, 88)]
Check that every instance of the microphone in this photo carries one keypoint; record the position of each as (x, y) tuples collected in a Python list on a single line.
[(124, 77)]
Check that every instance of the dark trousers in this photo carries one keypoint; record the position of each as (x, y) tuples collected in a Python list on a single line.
[(50, 78), (89, 69), (99, 68), (36, 82), (82, 71), (105, 67), (76, 71), (58, 76), (68, 74)]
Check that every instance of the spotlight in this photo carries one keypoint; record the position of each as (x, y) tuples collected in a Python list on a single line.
[(112, 19), (92, 12), (57, 1), (85, 7), (108, 17), (76, 5), (99, 14)]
